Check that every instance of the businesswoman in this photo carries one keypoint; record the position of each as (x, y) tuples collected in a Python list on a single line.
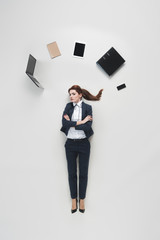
[(77, 125)]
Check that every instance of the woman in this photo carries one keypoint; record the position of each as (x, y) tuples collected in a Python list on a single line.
[(76, 124)]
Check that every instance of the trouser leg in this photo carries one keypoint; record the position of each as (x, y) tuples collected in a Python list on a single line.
[(84, 153), (71, 157)]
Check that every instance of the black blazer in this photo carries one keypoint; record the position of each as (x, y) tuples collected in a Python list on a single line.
[(86, 127)]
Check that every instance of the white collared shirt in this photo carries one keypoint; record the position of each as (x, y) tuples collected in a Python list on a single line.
[(76, 116)]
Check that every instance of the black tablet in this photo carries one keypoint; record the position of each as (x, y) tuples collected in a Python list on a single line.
[(79, 49)]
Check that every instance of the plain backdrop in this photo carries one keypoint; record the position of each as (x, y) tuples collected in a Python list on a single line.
[(122, 201)]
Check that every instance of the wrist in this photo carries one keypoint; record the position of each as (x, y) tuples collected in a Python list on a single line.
[(80, 122)]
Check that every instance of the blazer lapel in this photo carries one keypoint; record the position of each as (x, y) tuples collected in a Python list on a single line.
[(70, 112), (71, 109), (83, 110)]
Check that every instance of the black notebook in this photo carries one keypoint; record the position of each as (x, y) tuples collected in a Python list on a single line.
[(110, 61)]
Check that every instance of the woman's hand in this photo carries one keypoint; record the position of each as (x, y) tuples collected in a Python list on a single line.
[(88, 118), (66, 117)]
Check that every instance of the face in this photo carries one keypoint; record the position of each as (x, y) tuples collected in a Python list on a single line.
[(75, 96)]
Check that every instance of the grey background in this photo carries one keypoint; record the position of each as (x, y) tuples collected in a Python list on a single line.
[(123, 187)]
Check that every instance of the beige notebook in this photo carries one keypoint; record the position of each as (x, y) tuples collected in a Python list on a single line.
[(53, 49)]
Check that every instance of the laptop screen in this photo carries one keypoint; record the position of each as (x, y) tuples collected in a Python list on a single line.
[(31, 65)]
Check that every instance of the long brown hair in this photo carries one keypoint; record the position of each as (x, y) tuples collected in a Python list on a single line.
[(86, 94)]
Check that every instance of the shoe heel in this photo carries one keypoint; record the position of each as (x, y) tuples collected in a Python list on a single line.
[(81, 210), (75, 210)]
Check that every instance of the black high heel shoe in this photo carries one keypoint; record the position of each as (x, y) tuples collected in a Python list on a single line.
[(81, 210), (74, 210)]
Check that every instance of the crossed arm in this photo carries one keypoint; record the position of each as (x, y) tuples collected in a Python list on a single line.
[(84, 124), (86, 119)]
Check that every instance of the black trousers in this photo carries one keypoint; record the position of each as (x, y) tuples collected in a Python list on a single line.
[(73, 150)]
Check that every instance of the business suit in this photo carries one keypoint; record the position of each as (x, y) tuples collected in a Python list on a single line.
[(87, 127), (77, 147)]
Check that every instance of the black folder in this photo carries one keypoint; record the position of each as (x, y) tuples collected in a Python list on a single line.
[(111, 61)]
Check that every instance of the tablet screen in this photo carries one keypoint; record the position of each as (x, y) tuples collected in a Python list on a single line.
[(79, 49)]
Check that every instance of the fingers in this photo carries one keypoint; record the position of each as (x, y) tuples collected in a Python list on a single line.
[(89, 118), (66, 117)]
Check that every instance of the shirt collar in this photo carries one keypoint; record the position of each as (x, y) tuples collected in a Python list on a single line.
[(79, 104)]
